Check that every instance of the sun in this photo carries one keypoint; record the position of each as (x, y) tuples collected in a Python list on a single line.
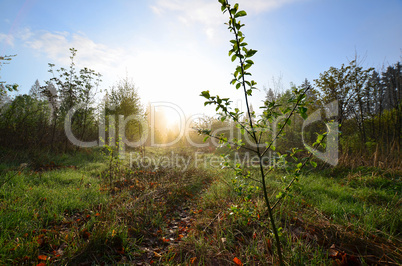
[(169, 117), (173, 118)]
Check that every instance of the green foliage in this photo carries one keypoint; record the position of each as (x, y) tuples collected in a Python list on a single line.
[(346, 85), (73, 89), (369, 102), (114, 163), (123, 99), (24, 122), (36, 121)]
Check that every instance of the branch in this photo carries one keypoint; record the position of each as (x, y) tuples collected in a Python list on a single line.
[(287, 119), (219, 138), (242, 77), (295, 177)]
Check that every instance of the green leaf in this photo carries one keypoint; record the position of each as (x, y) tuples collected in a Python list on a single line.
[(302, 111), (238, 86), (236, 6), (314, 164), (205, 94), (235, 47), (241, 13), (250, 53), (233, 57)]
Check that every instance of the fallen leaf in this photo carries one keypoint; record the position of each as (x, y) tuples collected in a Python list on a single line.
[(121, 251), (269, 245), (237, 261), (42, 257), (157, 254), (332, 253)]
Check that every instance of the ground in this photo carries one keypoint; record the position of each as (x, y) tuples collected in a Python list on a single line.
[(89, 209)]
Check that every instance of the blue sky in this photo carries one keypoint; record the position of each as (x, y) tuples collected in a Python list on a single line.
[(174, 49)]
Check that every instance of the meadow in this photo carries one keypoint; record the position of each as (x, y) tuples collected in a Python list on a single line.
[(86, 208)]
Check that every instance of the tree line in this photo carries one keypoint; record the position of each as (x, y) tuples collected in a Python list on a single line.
[(369, 112), (36, 121)]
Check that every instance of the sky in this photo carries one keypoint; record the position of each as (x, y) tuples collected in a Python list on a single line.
[(172, 50)]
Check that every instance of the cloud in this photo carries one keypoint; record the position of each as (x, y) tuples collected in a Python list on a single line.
[(24, 34), (260, 6), (7, 38), (201, 12), (56, 45), (207, 13), (156, 10), (53, 47), (10, 38)]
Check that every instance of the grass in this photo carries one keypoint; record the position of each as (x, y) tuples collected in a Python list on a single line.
[(369, 202), (65, 210), (35, 201), (354, 218)]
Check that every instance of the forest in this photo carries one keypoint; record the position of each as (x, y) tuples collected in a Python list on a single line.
[(93, 176)]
